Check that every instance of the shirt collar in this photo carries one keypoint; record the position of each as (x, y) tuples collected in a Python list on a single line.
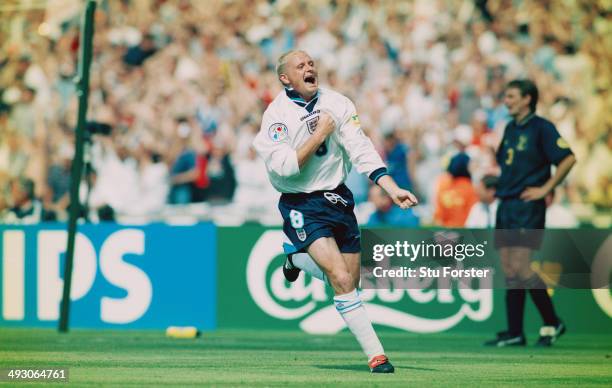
[(525, 120), (298, 100)]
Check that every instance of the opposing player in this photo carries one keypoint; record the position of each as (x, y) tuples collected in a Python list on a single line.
[(309, 138), (530, 146)]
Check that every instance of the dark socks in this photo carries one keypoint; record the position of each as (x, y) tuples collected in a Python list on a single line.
[(542, 301), (515, 308)]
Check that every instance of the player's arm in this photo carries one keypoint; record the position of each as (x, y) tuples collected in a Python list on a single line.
[(558, 152), (402, 198), (561, 172), (535, 193), (363, 155), (272, 145)]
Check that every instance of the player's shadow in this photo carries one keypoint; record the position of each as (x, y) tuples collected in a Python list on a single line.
[(361, 368)]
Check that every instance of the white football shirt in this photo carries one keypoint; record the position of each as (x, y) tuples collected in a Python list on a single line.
[(286, 126)]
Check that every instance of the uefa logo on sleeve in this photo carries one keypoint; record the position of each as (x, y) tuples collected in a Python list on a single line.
[(278, 132)]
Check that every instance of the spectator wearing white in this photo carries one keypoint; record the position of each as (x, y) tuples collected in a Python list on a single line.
[(482, 214), (254, 194), (13, 153), (22, 116), (153, 183), (253, 186), (113, 165)]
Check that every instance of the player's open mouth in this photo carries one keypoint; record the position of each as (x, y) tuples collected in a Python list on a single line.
[(311, 79)]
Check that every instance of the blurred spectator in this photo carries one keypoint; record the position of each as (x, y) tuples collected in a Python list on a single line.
[(253, 190), (112, 165), (153, 182), (479, 127), (136, 55), (23, 113), (396, 153), (387, 213), (557, 214), (188, 174), (483, 213), (4, 116), (24, 208), (4, 207), (95, 207), (497, 114), (57, 196), (455, 194), (13, 154), (599, 173), (221, 174), (357, 185)]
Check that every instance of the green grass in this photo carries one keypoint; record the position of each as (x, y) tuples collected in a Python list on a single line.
[(266, 358)]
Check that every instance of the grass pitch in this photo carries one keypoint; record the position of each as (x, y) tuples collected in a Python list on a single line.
[(267, 358)]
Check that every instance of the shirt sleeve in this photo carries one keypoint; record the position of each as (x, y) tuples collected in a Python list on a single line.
[(272, 145), (554, 146), (359, 147)]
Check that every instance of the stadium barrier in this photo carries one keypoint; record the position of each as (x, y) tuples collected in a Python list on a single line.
[(210, 277)]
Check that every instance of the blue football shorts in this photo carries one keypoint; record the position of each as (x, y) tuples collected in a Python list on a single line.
[(327, 213)]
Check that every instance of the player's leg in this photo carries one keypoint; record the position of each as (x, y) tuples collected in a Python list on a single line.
[(300, 261), (326, 253), (506, 241), (353, 262), (297, 261), (552, 328), (513, 263), (515, 303), (362, 328)]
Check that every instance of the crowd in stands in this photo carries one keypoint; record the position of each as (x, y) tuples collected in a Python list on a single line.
[(177, 90)]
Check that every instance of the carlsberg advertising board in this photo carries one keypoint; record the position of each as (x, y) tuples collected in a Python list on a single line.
[(253, 293)]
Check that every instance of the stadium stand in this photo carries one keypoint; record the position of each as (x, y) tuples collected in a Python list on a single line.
[(183, 84)]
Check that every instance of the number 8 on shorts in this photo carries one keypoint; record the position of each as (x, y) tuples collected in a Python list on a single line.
[(297, 219)]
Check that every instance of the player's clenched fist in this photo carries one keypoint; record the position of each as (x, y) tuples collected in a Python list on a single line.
[(326, 124)]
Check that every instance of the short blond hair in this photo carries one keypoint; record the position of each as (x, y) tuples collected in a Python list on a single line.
[(282, 61)]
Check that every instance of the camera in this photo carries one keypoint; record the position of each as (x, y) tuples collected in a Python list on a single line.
[(98, 128)]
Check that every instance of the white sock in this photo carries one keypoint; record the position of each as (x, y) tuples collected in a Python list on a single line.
[(354, 314), (304, 262)]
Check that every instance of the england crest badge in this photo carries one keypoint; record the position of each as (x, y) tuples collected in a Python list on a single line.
[(301, 234), (312, 124)]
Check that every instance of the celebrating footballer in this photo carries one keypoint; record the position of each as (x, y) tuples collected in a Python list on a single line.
[(309, 139)]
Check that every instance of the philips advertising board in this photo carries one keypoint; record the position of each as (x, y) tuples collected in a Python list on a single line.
[(124, 276)]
